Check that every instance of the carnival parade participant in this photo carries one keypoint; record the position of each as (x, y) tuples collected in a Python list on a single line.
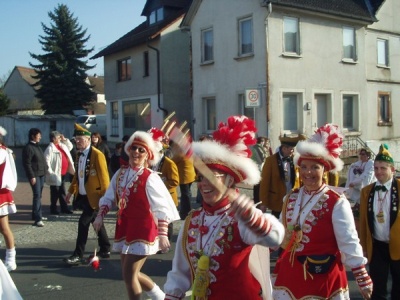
[(380, 226), (278, 175), (88, 185), (320, 232), (8, 183), (213, 247), (145, 210)]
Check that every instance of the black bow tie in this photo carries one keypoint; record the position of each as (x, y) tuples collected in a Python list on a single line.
[(286, 159), (380, 188), (80, 153)]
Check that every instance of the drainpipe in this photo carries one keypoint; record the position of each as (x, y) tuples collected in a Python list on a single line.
[(268, 5), (158, 80)]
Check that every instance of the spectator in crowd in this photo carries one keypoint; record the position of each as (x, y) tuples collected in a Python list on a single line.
[(35, 167), (145, 210), (59, 163), (380, 226), (214, 245), (115, 158), (359, 175), (279, 175), (89, 184), (320, 232), (186, 178), (98, 142), (8, 183), (267, 146)]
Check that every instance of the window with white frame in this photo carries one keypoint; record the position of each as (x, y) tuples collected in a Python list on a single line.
[(349, 43), (136, 116), (210, 114), (243, 110), (207, 45), (114, 118), (291, 106), (124, 69), (383, 52), (245, 36), (291, 35), (350, 112), (384, 109)]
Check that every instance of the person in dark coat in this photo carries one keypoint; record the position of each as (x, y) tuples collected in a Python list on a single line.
[(35, 167)]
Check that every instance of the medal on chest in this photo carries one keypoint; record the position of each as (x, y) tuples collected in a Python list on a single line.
[(81, 173)]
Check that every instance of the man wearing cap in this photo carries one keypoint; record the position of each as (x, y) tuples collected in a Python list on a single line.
[(88, 185), (380, 226), (278, 175)]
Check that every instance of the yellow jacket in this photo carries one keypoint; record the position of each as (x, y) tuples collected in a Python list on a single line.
[(170, 177), (96, 178), (272, 186), (366, 221), (185, 168)]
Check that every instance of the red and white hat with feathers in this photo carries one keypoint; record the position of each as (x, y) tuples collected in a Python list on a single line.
[(324, 146), (229, 150), (147, 140)]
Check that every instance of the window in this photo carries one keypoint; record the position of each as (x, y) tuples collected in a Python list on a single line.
[(137, 116), (350, 112), (156, 15), (207, 45), (114, 118), (384, 109), (210, 114), (243, 110), (124, 69), (146, 63), (383, 52), (291, 105), (349, 43), (245, 36), (291, 35)]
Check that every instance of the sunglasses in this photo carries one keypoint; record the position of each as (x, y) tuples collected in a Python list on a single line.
[(199, 178), (140, 149)]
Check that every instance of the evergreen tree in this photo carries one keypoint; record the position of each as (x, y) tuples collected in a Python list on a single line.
[(4, 103), (61, 71)]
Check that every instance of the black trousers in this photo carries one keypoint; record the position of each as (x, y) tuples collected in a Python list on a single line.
[(86, 219), (57, 193), (380, 266), (186, 198)]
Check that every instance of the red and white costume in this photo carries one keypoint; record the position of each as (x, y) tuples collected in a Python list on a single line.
[(327, 227), (228, 243), (145, 200), (8, 181)]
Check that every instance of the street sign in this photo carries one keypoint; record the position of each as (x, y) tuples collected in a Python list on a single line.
[(252, 98)]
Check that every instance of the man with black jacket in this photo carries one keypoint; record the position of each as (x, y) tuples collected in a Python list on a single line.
[(35, 167)]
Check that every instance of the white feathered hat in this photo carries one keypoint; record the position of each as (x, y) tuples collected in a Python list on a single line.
[(324, 146), (229, 150), (145, 140)]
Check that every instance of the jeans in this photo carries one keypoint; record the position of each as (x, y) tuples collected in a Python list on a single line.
[(37, 189)]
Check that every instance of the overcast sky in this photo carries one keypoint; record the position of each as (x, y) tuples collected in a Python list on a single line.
[(20, 23)]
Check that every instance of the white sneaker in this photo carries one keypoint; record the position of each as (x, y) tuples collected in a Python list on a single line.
[(39, 224), (11, 266)]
